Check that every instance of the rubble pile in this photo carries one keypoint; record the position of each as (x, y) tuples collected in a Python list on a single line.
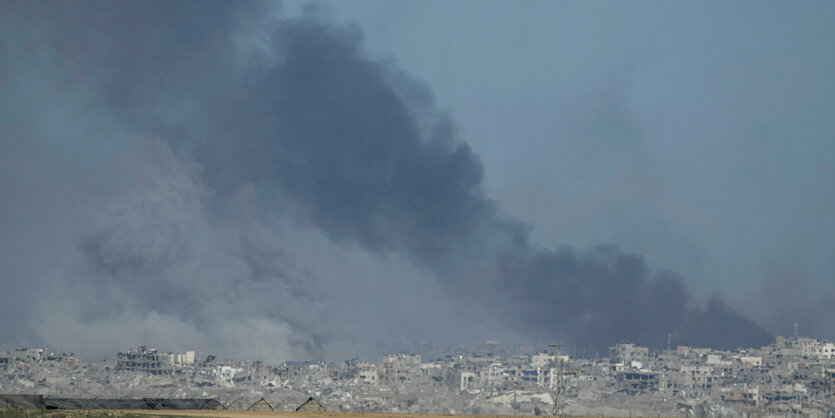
[(792, 376)]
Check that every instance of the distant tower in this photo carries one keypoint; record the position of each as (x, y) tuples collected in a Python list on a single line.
[(669, 339), (795, 329), (559, 385)]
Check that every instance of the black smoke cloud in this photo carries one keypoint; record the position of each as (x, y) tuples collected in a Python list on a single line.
[(334, 133), (273, 129)]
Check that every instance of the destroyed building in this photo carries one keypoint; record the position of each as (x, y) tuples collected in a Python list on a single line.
[(150, 360), (793, 375)]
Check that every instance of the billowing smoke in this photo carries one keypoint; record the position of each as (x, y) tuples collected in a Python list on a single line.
[(240, 171)]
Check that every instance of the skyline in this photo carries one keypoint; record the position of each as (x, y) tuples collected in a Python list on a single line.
[(321, 179)]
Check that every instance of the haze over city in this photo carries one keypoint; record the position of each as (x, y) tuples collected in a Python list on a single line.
[(298, 180)]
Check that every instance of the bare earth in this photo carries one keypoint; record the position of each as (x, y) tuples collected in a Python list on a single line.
[(241, 414)]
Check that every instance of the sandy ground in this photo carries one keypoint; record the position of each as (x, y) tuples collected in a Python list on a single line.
[(241, 414)]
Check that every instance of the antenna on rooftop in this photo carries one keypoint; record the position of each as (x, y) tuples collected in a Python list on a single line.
[(795, 329)]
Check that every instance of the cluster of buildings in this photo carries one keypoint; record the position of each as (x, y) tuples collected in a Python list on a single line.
[(791, 376), (150, 360)]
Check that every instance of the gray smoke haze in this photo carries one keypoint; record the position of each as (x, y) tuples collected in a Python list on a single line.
[(218, 175)]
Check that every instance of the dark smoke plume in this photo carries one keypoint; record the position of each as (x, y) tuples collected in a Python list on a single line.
[(293, 111), (326, 126)]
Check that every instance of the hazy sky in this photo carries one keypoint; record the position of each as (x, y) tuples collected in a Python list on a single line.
[(697, 133), (315, 180)]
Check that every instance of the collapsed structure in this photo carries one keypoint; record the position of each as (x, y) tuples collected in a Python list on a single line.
[(793, 375), (149, 360)]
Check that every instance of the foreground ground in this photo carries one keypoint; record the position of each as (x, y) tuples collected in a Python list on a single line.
[(8, 413), (242, 414)]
